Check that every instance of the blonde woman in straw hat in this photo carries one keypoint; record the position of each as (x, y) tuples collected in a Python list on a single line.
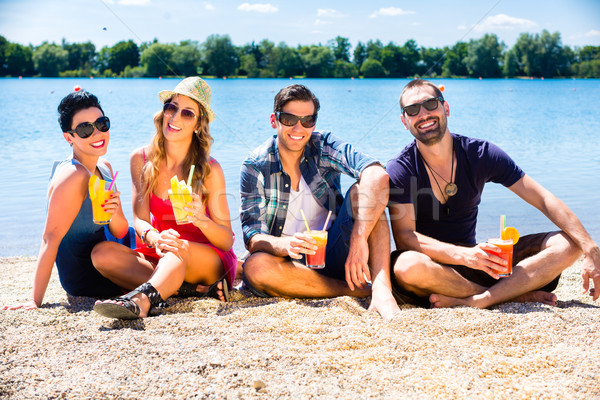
[(189, 259)]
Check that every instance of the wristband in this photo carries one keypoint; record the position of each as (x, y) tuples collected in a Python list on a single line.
[(144, 237)]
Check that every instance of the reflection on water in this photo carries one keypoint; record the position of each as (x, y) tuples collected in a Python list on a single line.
[(549, 127)]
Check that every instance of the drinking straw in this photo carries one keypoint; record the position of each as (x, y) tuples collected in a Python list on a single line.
[(326, 221), (305, 222), (502, 224), (189, 182), (113, 180)]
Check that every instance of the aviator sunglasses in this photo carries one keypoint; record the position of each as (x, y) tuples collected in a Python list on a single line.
[(170, 109), (85, 129), (307, 121), (429, 104)]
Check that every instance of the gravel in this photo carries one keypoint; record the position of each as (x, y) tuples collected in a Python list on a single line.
[(255, 348)]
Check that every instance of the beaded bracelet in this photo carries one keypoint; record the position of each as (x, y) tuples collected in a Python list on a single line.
[(144, 236)]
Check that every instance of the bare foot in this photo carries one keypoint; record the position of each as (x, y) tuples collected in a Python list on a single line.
[(537, 296), (386, 307), (441, 301)]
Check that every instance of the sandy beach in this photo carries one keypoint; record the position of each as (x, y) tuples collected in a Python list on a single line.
[(291, 349)]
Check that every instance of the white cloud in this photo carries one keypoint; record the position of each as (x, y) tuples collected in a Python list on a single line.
[(504, 22), (258, 7), (329, 13), (320, 22), (134, 2), (390, 12), (461, 27), (208, 6), (592, 33)]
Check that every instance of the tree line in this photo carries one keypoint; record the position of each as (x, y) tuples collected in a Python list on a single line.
[(533, 55)]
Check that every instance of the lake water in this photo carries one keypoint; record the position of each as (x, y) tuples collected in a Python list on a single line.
[(550, 128)]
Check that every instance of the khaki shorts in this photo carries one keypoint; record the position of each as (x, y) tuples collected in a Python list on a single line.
[(526, 247)]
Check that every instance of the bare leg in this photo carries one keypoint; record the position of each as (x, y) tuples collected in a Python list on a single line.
[(196, 263), (422, 276), (382, 299), (278, 277), (121, 265), (559, 252)]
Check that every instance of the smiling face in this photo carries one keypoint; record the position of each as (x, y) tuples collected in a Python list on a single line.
[(176, 127), (428, 127), (292, 139), (97, 143)]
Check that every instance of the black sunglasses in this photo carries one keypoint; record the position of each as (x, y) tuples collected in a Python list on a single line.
[(307, 121), (170, 109), (85, 129), (429, 104)]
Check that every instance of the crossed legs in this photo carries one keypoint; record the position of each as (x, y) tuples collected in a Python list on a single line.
[(445, 287), (195, 263)]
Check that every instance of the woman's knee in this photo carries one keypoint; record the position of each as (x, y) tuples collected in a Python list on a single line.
[(105, 254)]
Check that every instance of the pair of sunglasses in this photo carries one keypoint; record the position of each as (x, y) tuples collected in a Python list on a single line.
[(170, 109), (85, 129), (307, 121), (429, 104)]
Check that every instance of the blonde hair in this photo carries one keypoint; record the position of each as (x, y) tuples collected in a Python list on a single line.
[(198, 154)]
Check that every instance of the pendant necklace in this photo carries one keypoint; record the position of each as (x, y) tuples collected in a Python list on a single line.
[(450, 189)]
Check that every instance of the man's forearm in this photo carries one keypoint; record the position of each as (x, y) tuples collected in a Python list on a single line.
[(370, 201), (267, 243)]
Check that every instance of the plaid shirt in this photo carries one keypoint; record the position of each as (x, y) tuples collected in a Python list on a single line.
[(265, 187)]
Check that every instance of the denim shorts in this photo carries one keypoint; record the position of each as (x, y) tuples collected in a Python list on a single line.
[(338, 246)]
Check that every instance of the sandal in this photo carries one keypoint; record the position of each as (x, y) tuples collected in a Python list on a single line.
[(189, 290), (128, 309)]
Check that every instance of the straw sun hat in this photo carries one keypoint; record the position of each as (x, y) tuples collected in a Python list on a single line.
[(194, 88)]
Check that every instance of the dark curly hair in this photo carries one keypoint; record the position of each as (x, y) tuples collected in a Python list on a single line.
[(73, 103)]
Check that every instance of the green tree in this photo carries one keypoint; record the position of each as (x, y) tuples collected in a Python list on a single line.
[(123, 54), (392, 60), (432, 61), (290, 63), (3, 47), (186, 58), (511, 64), (344, 69), (81, 55), (374, 49), (359, 55), (249, 66), (50, 59), (219, 56), (372, 69), (157, 59), (554, 60), (318, 61), (340, 47), (19, 60), (454, 64), (484, 55), (411, 57)]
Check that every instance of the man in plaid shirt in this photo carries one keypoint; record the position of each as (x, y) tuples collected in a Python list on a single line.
[(298, 171)]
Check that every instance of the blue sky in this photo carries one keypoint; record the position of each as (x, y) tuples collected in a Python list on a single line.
[(432, 23)]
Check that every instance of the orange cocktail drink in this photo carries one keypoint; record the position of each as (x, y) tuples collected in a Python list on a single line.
[(317, 260), (505, 252)]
